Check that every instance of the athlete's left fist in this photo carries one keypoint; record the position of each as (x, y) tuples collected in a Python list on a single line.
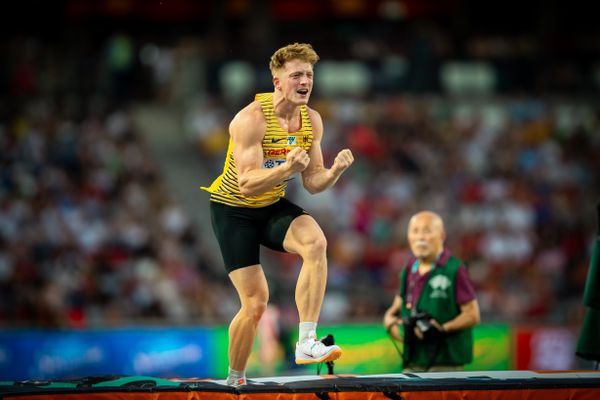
[(342, 161)]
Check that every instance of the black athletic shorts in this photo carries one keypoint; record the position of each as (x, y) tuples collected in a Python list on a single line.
[(240, 230)]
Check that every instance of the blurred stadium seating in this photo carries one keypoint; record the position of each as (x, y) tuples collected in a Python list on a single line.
[(446, 105)]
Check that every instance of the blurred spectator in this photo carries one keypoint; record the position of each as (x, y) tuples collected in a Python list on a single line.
[(90, 236)]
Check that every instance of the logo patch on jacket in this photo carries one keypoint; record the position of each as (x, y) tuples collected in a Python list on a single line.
[(439, 284)]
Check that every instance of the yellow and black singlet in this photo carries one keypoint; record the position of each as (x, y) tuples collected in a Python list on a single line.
[(276, 144)]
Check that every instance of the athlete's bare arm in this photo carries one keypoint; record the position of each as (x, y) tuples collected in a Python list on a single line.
[(247, 130), (316, 177)]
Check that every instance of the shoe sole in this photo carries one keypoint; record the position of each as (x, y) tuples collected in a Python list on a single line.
[(332, 356)]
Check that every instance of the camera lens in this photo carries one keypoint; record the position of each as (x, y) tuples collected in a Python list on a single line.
[(423, 325)]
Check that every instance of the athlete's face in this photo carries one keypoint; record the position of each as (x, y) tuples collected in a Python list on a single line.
[(295, 81), (426, 236)]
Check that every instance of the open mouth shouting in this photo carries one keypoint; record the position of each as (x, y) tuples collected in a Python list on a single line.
[(303, 92)]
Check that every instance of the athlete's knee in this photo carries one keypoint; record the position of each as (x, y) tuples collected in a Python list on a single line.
[(255, 307), (258, 309), (315, 247)]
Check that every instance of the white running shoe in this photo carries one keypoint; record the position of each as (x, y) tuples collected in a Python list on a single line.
[(312, 351)]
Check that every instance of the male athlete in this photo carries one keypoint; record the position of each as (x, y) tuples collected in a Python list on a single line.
[(273, 138)]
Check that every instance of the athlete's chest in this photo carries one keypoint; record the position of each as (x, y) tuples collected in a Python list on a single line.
[(282, 135), (276, 146), (293, 125)]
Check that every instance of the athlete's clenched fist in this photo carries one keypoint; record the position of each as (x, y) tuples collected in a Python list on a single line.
[(342, 161), (297, 159)]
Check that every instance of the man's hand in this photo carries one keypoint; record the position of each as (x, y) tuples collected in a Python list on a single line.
[(437, 325), (297, 160), (434, 325), (342, 161), (389, 321)]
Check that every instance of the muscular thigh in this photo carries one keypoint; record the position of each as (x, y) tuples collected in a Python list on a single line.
[(251, 285), (304, 234), (281, 216), (237, 230)]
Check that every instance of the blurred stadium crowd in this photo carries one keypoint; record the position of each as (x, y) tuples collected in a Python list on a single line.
[(91, 235)]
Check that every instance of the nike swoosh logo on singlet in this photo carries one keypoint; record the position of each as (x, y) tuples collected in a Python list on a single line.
[(273, 140)]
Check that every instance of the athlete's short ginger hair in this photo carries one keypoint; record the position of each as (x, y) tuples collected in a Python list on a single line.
[(295, 51)]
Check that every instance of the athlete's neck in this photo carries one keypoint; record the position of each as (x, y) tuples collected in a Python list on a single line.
[(283, 108)]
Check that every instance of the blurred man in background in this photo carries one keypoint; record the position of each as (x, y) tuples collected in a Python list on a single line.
[(271, 140), (436, 306)]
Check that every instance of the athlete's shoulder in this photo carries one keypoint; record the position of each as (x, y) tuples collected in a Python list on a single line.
[(312, 113), (252, 110), (249, 117), (315, 120)]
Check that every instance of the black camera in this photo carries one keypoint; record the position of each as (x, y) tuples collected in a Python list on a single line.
[(422, 321)]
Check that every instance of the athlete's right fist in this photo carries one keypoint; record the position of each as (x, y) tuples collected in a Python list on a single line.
[(297, 159)]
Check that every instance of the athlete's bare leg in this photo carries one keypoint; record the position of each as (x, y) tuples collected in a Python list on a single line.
[(305, 237), (251, 286)]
